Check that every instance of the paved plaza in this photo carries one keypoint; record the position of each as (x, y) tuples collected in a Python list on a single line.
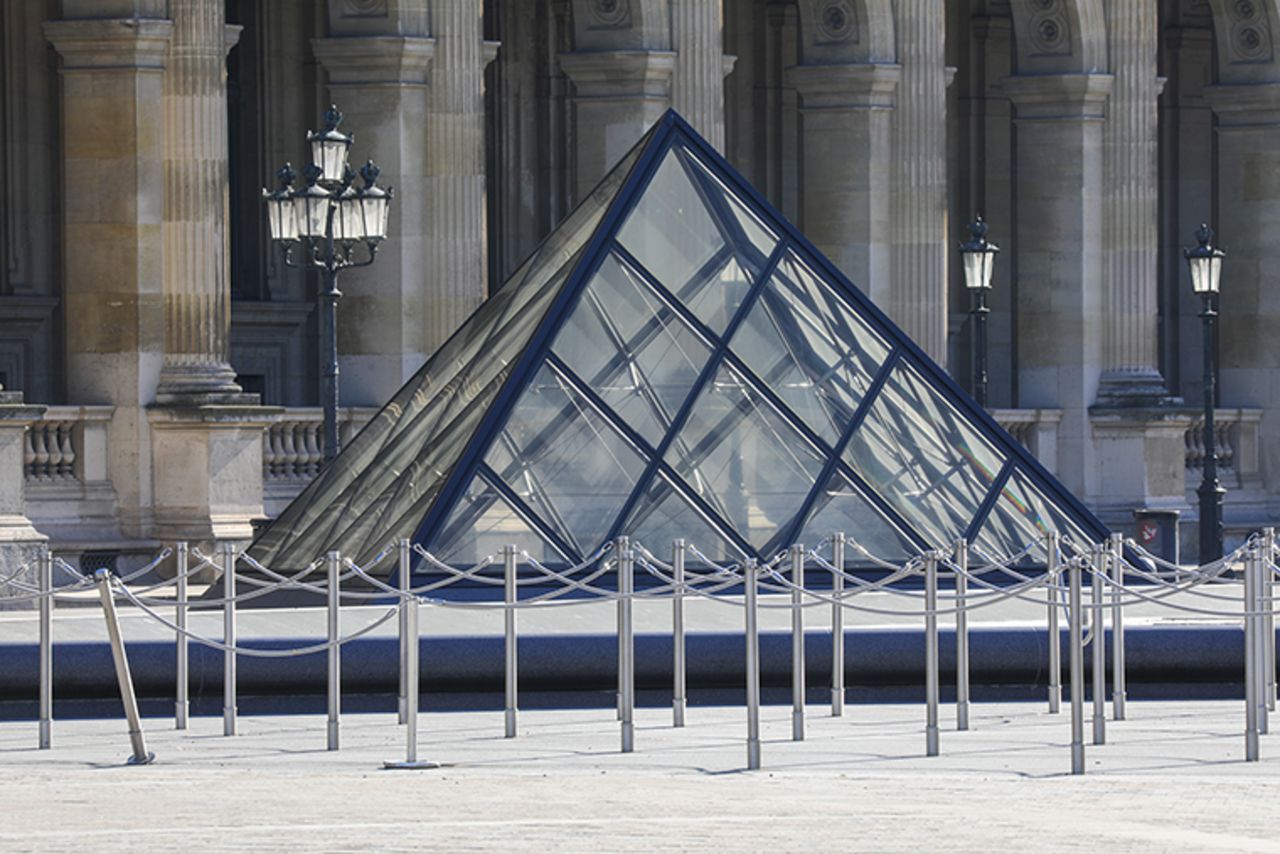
[(1170, 778)]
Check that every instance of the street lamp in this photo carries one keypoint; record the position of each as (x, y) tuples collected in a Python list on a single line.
[(979, 259), (328, 218), (1205, 262)]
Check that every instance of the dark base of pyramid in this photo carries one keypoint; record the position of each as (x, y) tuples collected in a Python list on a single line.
[(884, 665)]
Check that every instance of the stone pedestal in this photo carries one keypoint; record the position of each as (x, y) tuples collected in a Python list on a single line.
[(847, 108), (20, 542), (1141, 461)]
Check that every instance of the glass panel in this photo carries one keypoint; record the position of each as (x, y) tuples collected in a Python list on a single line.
[(714, 296), (813, 352), (663, 515), (565, 461), (841, 508), (631, 349), (481, 524), (1021, 517), (382, 484), (752, 467), (923, 458), (760, 236), (670, 231)]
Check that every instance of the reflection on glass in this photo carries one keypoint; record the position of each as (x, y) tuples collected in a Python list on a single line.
[(743, 459), (631, 349), (663, 516), (565, 461), (923, 457), (1019, 521), (481, 524), (758, 235), (841, 508)]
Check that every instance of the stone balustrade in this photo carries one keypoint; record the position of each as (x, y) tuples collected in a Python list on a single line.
[(67, 445), (293, 450), (1236, 442), (1036, 429)]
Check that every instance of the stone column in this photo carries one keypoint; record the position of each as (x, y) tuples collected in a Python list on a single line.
[(19, 540), (1059, 196), (1248, 222), (697, 86), (918, 299), (845, 114), (1131, 375), (197, 283), (618, 95), (113, 199)]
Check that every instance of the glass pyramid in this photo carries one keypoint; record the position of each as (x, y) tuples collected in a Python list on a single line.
[(676, 360)]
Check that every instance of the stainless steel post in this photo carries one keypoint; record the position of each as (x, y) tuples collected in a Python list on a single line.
[(678, 670), (626, 641), (1250, 664), (753, 664), (412, 671), (45, 583), (406, 604), (509, 635), (1259, 639), (332, 565), (797, 643), (962, 635), (120, 659), (837, 626), (931, 653), (1052, 576), (1269, 617), (1075, 624), (181, 701), (1099, 645), (229, 638), (1119, 686)]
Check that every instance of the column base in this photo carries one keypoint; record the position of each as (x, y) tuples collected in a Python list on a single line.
[(1134, 390), (201, 385)]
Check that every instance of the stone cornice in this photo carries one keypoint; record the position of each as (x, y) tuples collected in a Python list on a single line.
[(852, 85), (1245, 104), (620, 73), (111, 42), (363, 60), (1059, 96)]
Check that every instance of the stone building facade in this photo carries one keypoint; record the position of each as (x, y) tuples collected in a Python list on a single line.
[(167, 358)]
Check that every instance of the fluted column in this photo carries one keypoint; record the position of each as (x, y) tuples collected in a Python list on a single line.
[(1130, 372), (697, 87), (197, 285), (845, 113), (918, 301)]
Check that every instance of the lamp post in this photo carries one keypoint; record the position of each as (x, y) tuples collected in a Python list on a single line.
[(979, 258), (1205, 262), (328, 218)]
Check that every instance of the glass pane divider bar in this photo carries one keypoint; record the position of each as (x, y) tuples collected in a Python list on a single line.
[(526, 513), (989, 501), (709, 337), (883, 507), (726, 222)]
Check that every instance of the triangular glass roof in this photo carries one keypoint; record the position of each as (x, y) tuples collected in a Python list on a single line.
[(677, 360)]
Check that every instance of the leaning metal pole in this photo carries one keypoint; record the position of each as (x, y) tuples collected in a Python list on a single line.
[(45, 568), (181, 703), (962, 635), (678, 670), (753, 664), (509, 637), (837, 625), (1075, 647), (931, 653), (1052, 575), (121, 660), (332, 564), (1099, 645), (229, 639), (797, 643)]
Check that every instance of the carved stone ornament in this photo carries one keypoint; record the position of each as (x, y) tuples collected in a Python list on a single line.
[(836, 21), (611, 13), (364, 8), (1250, 32), (1050, 28)]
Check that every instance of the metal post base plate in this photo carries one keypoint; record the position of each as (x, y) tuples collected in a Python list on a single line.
[(418, 765), (147, 760)]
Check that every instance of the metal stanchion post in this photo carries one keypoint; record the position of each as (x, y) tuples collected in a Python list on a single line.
[(679, 675), (962, 635), (1269, 615), (509, 636), (1075, 624), (181, 649), (1250, 663), (1119, 686), (626, 640), (332, 564), (749, 573), (837, 625), (797, 643), (411, 670), (402, 567), (1259, 639), (229, 639), (140, 754), (1099, 646), (931, 653), (45, 583), (1052, 574)]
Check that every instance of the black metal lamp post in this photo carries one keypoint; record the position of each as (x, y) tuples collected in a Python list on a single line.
[(328, 218), (979, 258), (1205, 262)]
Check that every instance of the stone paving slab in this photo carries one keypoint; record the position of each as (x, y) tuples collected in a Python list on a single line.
[(1170, 778)]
